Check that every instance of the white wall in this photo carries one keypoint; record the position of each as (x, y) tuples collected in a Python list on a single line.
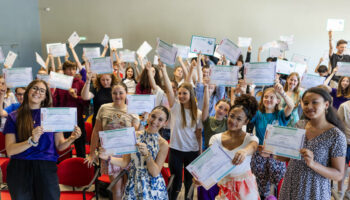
[(175, 21)]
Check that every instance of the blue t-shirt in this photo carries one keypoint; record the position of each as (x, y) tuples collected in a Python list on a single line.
[(46, 149), (261, 120), (337, 100), (9, 109)]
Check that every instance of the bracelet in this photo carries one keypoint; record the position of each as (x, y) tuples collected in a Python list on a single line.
[(31, 142)]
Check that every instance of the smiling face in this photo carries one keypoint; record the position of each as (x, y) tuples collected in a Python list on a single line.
[(314, 106), (119, 95), (341, 48), (270, 99), (236, 119), (292, 82), (19, 95), (221, 109), (344, 83), (106, 80), (3, 87), (129, 73), (156, 120), (183, 95), (36, 94), (206, 72), (178, 72)]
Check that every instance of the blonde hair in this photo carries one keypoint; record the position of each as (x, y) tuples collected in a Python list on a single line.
[(261, 103)]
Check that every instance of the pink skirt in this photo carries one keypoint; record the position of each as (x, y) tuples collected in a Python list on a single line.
[(242, 187)]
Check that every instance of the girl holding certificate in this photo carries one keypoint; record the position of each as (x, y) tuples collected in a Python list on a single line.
[(144, 179), (112, 116), (323, 153), (294, 92), (266, 169), (186, 132), (240, 183), (340, 94), (31, 173)]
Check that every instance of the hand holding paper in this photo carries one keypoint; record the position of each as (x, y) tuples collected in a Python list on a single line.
[(74, 39), (10, 59)]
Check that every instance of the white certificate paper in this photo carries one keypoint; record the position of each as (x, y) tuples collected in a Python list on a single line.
[(18, 77), (105, 40), (74, 39), (275, 52), (138, 104), (119, 141), (144, 49), (335, 25), (273, 44), (205, 45), (211, 166), (58, 119), (102, 65), (127, 56), (43, 77), (57, 49), (284, 141), (343, 69), (166, 52), (229, 49), (300, 59), (310, 80), (10, 59), (39, 60), (116, 43), (287, 38), (48, 46), (92, 52), (260, 73), (285, 67), (182, 51), (60, 81), (224, 75), (2, 57), (244, 41)]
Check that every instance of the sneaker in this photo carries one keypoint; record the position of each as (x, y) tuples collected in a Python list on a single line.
[(271, 197)]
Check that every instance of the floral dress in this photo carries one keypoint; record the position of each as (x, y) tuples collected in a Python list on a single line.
[(141, 184)]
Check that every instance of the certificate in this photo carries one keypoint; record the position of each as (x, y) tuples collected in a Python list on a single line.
[(229, 49), (48, 46), (58, 119), (102, 65), (74, 39), (273, 44), (211, 166), (275, 52), (43, 77), (116, 43), (285, 67), (57, 49), (39, 60), (260, 73), (105, 40), (119, 141), (60, 81), (18, 77), (335, 25), (138, 104), (284, 141), (310, 80), (182, 51), (300, 59), (144, 49), (244, 41), (343, 69), (287, 38), (2, 58), (92, 52), (166, 52), (300, 69), (155, 60), (283, 45), (224, 75), (127, 56), (205, 45), (10, 59)]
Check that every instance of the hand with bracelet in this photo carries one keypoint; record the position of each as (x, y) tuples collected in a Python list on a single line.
[(144, 150), (36, 134)]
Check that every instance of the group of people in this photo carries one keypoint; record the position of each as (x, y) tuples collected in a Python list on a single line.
[(190, 115)]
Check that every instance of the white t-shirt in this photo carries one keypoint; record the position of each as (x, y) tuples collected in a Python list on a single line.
[(245, 166), (131, 85), (344, 115), (183, 139)]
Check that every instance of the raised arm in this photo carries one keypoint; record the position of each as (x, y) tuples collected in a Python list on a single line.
[(150, 76), (85, 92), (189, 75), (329, 78), (59, 63), (75, 56), (53, 67), (330, 43), (289, 102), (47, 60), (318, 65), (205, 109), (249, 54), (104, 51), (259, 54), (183, 66), (167, 83)]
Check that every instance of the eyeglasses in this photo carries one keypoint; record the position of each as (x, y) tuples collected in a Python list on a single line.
[(41, 90)]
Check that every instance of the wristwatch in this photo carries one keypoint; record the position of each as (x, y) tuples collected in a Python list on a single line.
[(31, 142)]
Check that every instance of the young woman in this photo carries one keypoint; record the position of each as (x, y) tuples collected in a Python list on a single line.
[(112, 116), (266, 169), (323, 151), (186, 136), (294, 92), (31, 173), (144, 179), (130, 81), (240, 183), (342, 93), (100, 92)]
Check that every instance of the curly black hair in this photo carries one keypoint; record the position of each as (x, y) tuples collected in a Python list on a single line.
[(248, 103)]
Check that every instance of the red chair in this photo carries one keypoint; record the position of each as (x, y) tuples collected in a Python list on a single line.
[(75, 173), (5, 194), (88, 130)]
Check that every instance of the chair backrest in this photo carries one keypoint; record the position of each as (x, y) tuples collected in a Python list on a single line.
[(88, 130), (63, 155), (74, 172), (4, 169), (2, 143)]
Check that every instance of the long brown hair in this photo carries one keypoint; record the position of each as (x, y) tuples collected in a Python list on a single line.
[(24, 120), (343, 92), (144, 80), (97, 82), (261, 103), (296, 90), (193, 105)]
